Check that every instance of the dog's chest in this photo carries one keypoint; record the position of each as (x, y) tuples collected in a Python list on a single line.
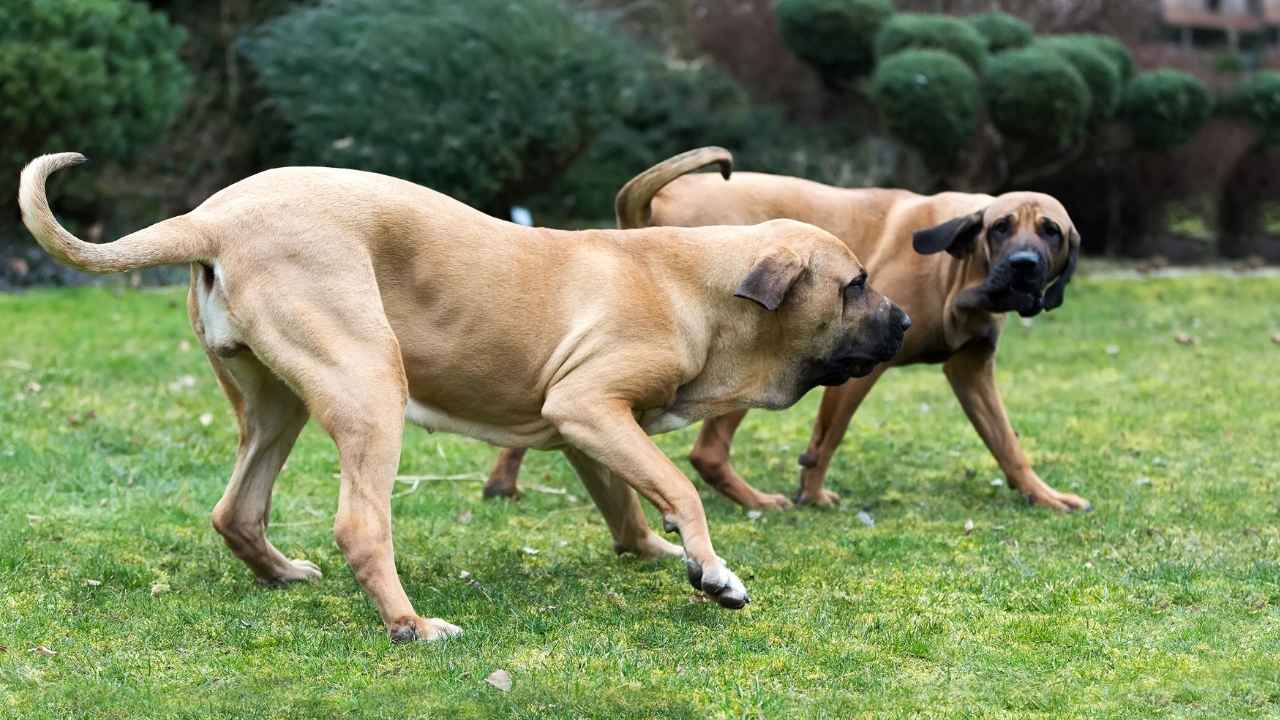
[(662, 420)]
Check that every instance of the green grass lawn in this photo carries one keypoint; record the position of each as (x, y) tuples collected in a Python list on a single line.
[(115, 443)]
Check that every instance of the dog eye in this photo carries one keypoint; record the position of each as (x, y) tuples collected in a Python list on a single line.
[(856, 285), (1001, 227), (1051, 229)]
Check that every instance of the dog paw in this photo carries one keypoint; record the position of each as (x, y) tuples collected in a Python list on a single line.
[(291, 572), (768, 501), (501, 490), (719, 583), (821, 498), (419, 628), (1062, 502), (649, 548)]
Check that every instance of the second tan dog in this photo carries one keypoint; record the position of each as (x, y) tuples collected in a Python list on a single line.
[(956, 262), (359, 299)]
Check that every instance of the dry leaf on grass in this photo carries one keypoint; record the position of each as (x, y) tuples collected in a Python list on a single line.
[(865, 518), (182, 383), (1276, 338), (90, 582), (206, 419), (1185, 339), (42, 650), (500, 679), (159, 587), (968, 526), (464, 517)]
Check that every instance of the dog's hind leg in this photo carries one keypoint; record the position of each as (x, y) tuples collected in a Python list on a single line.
[(620, 506), (710, 457), (342, 358), (270, 417), (503, 479)]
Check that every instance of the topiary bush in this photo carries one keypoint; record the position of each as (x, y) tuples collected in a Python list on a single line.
[(670, 108), (1098, 70), (1035, 95), (486, 100), (836, 37), (1165, 108), (1002, 31), (98, 76), (1117, 51), (1257, 101), (910, 31), (930, 100)]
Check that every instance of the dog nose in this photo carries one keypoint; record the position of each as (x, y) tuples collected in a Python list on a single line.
[(1024, 261), (902, 318)]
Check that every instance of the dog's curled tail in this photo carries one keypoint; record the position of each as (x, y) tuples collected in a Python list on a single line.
[(633, 200), (169, 242)]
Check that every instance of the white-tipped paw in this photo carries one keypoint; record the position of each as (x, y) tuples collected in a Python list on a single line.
[(718, 582)]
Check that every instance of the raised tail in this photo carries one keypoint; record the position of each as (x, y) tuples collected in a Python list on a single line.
[(168, 242), (633, 200)]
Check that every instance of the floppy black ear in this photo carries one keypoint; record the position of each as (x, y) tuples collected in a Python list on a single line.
[(771, 278), (955, 236), (1054, 296)]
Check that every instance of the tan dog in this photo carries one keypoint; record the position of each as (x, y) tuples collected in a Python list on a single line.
[(360, 299), (1013, 252)]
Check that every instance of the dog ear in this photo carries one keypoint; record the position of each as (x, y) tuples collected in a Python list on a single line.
[(955, 236), (1054, 296), (771, 278)]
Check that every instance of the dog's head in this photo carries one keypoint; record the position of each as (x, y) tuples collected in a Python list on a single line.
[(1031, 244), (816, 300)]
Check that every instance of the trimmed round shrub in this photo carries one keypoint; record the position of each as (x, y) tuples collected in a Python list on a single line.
[(672, 108), (101, 77), (836, 37), (1165, 108), (1117, 51), (1002, 30), (1257, 100), (910, 31), (485, 100), (930, 100), (1098, 70), (1034, 94)]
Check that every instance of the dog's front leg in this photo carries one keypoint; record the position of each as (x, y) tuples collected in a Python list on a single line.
[(836, 412), (971, 373), (605, 430), (710, 457), (621, 509)]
